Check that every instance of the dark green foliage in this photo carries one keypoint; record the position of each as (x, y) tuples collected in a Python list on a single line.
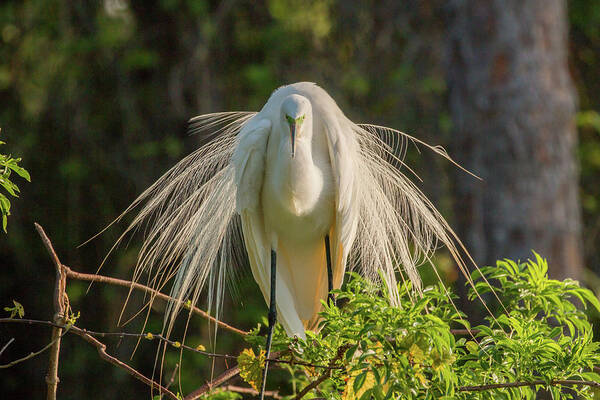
[(8, 165), (410, 352)]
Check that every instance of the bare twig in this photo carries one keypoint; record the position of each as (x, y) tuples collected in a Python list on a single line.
[(129, 284), (218, 381), (33, 354), (313, 385), (101, 347), (59, 315), (6, 345), (173, 375), (565, 382), (147, 336), (340, 353), (150, 336), (270, 393), (58, 291)]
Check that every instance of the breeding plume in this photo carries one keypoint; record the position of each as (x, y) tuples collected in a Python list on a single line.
[(304, 192)]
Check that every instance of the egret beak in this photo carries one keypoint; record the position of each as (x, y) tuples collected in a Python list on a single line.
[(293, 137)]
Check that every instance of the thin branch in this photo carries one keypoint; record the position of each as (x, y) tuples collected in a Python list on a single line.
[(33, 354), (147, 336), (151, 336), (313, 385), (270, 393), (218, 381), (340, 353), (6, 345), (58, 297), (565, 382), (101, 347), (129, 284), (172, 379), (70, 273), (173, 375)]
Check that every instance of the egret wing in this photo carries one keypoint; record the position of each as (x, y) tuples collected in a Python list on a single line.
[(342, 151)]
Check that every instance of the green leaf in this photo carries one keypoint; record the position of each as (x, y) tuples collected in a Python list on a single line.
[(16, 311), (251, 367), (590, 297), (22, 172), (359, 381)]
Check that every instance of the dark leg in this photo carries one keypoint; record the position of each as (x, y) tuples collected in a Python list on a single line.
[(272, 320), (329, 270)]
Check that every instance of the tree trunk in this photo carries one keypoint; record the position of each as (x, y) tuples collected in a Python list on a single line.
[(513, 106)]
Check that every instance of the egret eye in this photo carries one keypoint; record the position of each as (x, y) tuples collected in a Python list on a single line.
[(300, 120), (290, 120)]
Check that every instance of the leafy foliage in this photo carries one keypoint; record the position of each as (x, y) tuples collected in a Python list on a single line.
[(380, 351), (8, 165), (16, 310), (251, 367)]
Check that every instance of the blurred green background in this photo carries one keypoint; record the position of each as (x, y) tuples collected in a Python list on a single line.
[(95, 96)]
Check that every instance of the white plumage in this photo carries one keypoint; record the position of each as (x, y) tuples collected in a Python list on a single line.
[(340, 179), (288, 203)]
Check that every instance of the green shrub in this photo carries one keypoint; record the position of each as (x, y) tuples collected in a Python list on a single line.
[(539, 339)]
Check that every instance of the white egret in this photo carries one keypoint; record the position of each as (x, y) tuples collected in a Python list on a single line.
[(307, 193)]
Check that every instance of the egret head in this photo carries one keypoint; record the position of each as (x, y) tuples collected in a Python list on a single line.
[(296, 116)]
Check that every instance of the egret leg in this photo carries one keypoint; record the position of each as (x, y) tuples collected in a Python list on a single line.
[(330, 296), (272, 320)]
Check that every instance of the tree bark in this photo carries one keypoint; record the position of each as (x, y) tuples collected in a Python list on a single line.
[(513, 106)]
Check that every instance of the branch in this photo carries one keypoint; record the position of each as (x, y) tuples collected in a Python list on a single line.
[(313, 385), (150, 336), (173, 375), (58, 293), (566, 382), (101, 347), (340, 353), (271, 393), (68, 272), (33, 354), (147, 336), (6, 345), (129, 284), (221, 379), (59, 315)]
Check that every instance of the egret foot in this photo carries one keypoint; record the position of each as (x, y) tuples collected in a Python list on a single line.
[(272, 321)]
